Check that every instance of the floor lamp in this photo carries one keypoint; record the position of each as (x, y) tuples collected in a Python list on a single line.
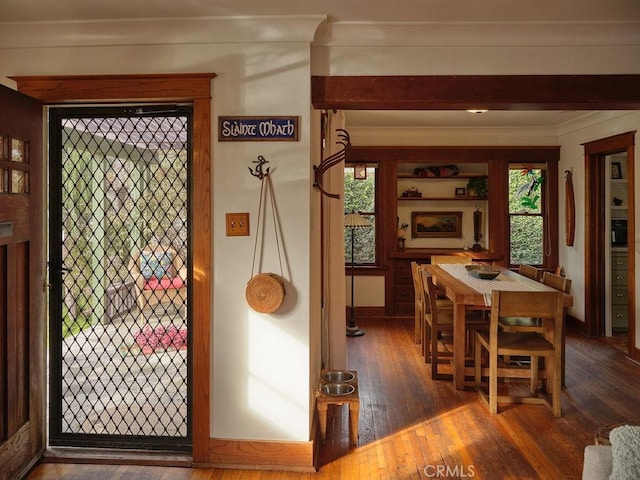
[(354, 220)]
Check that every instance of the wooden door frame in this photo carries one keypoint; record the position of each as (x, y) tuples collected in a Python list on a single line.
[(595, 154), (24, 422), (194, 89)]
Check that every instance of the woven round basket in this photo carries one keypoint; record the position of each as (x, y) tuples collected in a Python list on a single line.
[(265, 292)]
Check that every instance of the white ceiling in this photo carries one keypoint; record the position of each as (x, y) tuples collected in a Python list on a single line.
[(455, 119), (363, 12), (335, 10)]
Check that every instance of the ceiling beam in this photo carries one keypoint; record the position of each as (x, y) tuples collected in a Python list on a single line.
[(462, 92)]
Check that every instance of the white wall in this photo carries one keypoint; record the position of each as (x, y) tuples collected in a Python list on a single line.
[(261, 364), (260, 386), (571, 138)]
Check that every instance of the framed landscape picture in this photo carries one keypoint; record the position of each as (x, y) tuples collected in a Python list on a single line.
[(436, 224)]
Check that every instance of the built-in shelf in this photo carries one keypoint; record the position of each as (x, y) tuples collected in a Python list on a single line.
[(452, 177), (617, 297), (445, 199)]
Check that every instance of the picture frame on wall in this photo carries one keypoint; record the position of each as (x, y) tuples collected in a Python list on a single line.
[(461, 192), (436, 224), (616, 171), (360, 172)]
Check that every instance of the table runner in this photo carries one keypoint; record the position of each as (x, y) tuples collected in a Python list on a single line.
[(485, 287)]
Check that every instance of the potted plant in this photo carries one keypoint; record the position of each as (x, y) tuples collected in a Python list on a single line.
[(477, 187), (402, 229)]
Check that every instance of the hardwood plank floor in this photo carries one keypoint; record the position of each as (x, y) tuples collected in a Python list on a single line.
[(412, 427)]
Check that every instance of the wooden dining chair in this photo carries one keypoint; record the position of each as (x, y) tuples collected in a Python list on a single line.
[(556, 281), (457, 259), (562, 284), (438, 318), (524, 324), (531, 272), (547, 306), (418, 289)]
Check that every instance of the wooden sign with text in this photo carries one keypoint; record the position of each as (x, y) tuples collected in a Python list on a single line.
[(258, 129)]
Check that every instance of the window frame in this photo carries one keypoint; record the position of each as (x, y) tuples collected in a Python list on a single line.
[(373, 267), (547, 241)]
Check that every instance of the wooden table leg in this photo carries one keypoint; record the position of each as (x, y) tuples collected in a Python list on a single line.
[(459, 314), (322, 418), (564, 344), (354, 414)]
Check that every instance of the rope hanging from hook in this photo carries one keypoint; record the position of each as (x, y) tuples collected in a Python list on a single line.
[(327, 163)]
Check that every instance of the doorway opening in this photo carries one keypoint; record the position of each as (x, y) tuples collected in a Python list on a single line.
[(609, 203), (120, 264)]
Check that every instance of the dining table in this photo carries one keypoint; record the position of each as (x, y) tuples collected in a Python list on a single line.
[(469, 292)]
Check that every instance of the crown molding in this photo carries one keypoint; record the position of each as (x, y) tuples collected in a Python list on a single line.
[(161, 31), (317, 30), (592, 119), (478, 34)]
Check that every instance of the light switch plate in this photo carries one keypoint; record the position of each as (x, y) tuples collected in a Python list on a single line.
[(237, 224)]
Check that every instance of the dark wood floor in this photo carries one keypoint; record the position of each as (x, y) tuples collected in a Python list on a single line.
[(412, 427)]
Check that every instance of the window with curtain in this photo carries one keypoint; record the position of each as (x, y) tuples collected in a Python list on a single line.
[(527, 214), (360, 196)]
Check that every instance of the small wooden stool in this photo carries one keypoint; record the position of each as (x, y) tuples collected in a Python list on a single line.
[(353, 400)]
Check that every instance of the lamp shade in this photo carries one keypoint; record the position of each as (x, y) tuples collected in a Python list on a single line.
[(355, 220)]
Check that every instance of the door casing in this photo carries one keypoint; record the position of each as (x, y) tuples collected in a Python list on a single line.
[(595, 203), (194, 89)]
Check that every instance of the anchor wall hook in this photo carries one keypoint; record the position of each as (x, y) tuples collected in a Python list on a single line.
[(258, 171)]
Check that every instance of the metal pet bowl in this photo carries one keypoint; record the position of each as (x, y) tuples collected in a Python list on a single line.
[(338, 389), (340, 376)]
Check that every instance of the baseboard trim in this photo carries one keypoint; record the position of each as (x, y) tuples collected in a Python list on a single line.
[(634, 355), (261, 455), (366, 312), (576, 325), (107, 456)]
